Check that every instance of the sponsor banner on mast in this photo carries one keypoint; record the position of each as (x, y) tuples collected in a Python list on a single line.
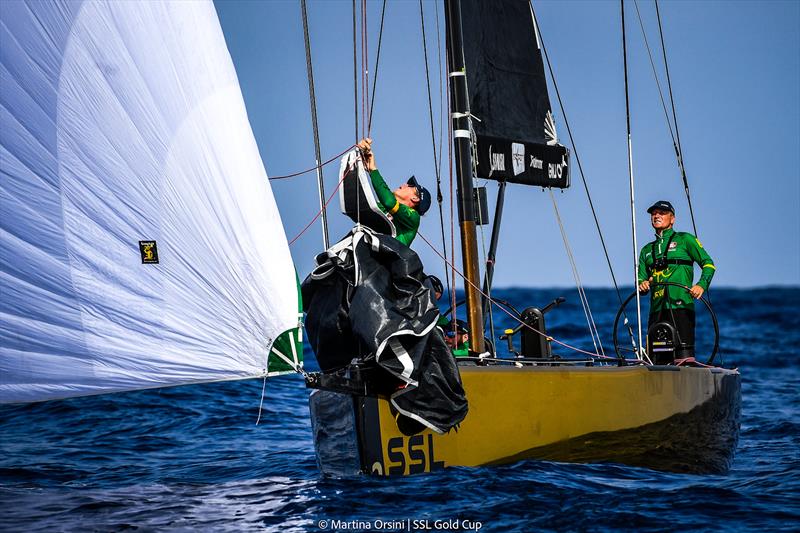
[(523, 163)]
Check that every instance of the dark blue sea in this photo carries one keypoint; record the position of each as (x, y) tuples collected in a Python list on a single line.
[(193, 458)]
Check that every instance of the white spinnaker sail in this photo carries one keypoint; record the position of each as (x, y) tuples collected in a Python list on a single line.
[(124, 122)]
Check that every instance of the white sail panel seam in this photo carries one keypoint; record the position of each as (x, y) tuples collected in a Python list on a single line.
[(403, 357)]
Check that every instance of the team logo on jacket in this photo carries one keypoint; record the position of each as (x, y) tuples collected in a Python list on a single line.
[(673, 245), (518, 158), (149, 252)]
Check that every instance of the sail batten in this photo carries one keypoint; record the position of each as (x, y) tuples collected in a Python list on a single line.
[(141, 244)]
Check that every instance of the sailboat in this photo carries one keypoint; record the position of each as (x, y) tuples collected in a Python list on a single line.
[(142, 248), (536, 405)]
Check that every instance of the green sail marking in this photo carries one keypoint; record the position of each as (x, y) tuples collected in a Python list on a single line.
[(289, 344)]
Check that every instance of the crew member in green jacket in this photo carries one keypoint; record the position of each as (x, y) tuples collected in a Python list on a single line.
[(670, 258), (457, 338), (404, 205)]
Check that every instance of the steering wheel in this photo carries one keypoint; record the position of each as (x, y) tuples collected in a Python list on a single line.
[(714, 351)]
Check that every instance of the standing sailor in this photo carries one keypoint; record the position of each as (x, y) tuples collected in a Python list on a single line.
[(405, 205), (670, 258)]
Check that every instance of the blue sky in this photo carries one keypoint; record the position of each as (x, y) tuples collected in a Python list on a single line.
[(735, 69)]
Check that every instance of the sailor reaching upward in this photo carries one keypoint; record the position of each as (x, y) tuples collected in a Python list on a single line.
[(405, 205)]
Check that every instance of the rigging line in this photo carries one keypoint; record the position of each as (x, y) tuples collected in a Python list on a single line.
[(355, 74), (439, 196), (578, 160), (261, 404), (287, 176), (442, 121), (320, 211), (452, 273), (313, 102), (516, 319), (375, 75), (441, 77), (580, 170), (678, 146), (587, 311), (365, 68), (655, 74), (630, 180)]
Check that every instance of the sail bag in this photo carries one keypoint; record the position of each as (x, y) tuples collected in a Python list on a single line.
[(141, 244), (357, 198), (515, 132), (367, 298)]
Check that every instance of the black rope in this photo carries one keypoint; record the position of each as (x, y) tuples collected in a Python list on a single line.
[(655, 74), (287, 176), (375, 76), (313, 103), (441, 84), (441, 124), (677, 144), (355, 74), (625, 67), (365, 68), (439, 196), (577, 158)]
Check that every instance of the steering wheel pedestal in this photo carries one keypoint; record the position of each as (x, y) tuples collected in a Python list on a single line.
[(663, 344)]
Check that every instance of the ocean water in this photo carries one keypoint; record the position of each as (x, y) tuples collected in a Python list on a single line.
[(193, 458)]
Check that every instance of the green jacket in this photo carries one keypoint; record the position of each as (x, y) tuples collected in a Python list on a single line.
[(461, 351), (684, 250), (405, 219)]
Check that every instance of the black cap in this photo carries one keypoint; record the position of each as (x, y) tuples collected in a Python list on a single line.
[(661, 204), (424, 196), (462, 326), (436, 283)]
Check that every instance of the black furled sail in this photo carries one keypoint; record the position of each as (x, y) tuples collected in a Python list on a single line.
[(516, 133)]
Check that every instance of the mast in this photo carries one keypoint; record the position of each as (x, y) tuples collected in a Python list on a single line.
[(464, 191), (317, 156)]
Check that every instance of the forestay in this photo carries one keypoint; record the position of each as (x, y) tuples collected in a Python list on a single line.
[(141, 243)]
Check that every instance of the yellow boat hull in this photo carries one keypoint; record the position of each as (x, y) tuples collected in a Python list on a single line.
[(664, 417)]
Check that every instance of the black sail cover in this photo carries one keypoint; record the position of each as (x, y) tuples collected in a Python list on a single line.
[(516, 135), (367, 298)]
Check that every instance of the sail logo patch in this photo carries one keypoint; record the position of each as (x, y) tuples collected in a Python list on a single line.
[(518, 158), (556, 171), (497, 162), (149, 251)]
